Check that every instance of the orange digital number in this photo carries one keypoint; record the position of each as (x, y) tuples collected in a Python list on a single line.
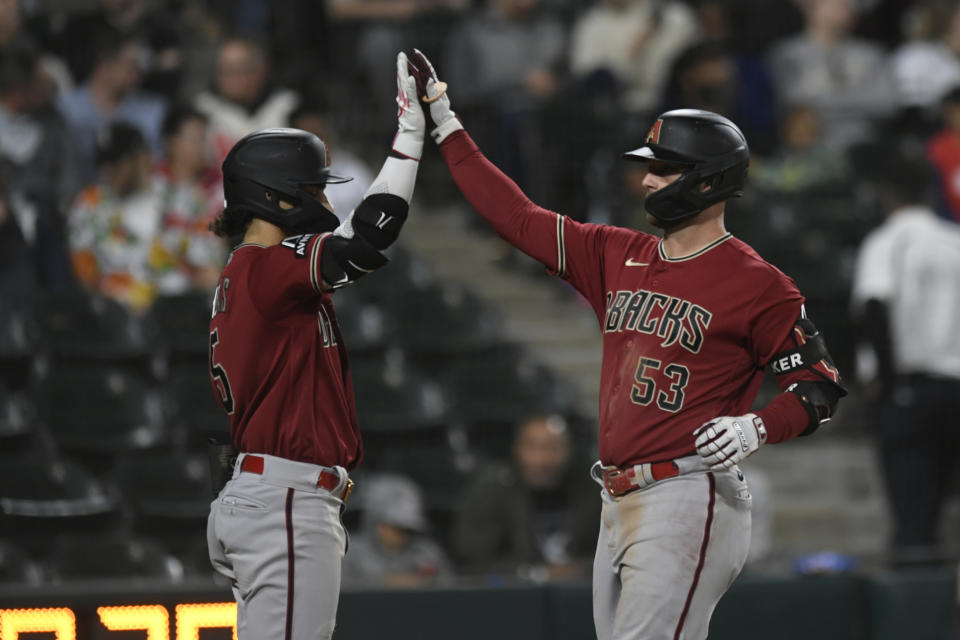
[(193, 617), (153, 618), (61, 621)]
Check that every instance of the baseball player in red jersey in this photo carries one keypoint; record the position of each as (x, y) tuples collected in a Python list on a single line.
[(689, 323), (279, 367)]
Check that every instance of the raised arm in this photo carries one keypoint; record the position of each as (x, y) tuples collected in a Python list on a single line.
[(532, 229), (355, 247)]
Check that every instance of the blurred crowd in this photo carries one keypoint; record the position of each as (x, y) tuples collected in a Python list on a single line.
[(115, 115)]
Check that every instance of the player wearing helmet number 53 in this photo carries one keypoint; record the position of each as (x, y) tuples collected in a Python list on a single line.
[(279, 368), (689, 321)]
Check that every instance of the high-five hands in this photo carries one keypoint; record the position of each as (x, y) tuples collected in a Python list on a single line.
[(441, 119), (411, 121)]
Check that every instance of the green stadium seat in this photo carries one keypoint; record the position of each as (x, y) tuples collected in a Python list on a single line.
[(445, 322), (82, 327), (16, 415), (180, 325), (394, 397), (116, 557), (16, 566), (42, 496), (191, 406), (17, 341), (97, 408), (363, 324)]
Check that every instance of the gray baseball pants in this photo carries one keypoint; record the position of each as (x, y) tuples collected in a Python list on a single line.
[(666, 554), (278, 537)]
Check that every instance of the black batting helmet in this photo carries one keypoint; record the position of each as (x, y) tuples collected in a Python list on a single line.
[(271, 165), (710, 148)]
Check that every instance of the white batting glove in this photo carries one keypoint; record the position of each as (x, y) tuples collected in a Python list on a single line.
[(412, 124), (443, 120), (725, 441)]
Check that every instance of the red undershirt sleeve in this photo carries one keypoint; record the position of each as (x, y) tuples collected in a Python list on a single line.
[(784, 417), (500, 202)]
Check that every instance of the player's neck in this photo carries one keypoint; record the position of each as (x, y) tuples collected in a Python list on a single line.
[(263, 233), (695, 235)]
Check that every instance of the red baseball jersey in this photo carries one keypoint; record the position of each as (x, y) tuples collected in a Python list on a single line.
[(277, 360), (684, 340)]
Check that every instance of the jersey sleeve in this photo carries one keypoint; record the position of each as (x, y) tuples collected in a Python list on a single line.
[(287, 273), (774, 319), (565, 247), (771, 318)]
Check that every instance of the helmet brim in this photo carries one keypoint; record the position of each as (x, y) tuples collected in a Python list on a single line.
[(650, 152), (329, 178)]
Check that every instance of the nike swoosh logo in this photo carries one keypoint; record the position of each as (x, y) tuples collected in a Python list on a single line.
[(631, 263)]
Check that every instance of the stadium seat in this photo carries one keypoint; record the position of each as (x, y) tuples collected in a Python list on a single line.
[(392, 396), (180, 325), (115, 556), (97, 408), (165, 485), (403, 274), (83, 327), (191, 406), (16, 566), (362, 323), (16, 346), (501, 385), (16, 416), (42, 496), (444, 321)]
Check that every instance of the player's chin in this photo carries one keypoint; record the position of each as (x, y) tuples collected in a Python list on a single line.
[(654, 221)]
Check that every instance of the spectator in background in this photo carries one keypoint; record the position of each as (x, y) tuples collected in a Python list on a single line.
[(314, 117), (113, 223), (731, 28), (38, 167), (243, 99), (943, 152), (32, 259), (507, 57), (301, 43), (636, 41), (34, 144), (190, 197), (906, 301), (845, 79), (927, 67), (150, 23), (110, 94), (380, 28), (134, 235), (704, 77), (804, 161), (535, 517), (393, 548)]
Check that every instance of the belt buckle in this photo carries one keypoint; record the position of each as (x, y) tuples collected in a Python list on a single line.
[(347, 490), (608, 477)]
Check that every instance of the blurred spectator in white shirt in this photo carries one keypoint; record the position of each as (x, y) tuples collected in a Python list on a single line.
[(243, 100), (845, 79), (637, 41), (928, 66)]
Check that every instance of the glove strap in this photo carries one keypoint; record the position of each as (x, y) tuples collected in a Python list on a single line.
[(760, 427), (446, 128), (408, 144)]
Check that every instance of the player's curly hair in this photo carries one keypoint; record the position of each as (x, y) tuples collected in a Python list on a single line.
[(231, 225)]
